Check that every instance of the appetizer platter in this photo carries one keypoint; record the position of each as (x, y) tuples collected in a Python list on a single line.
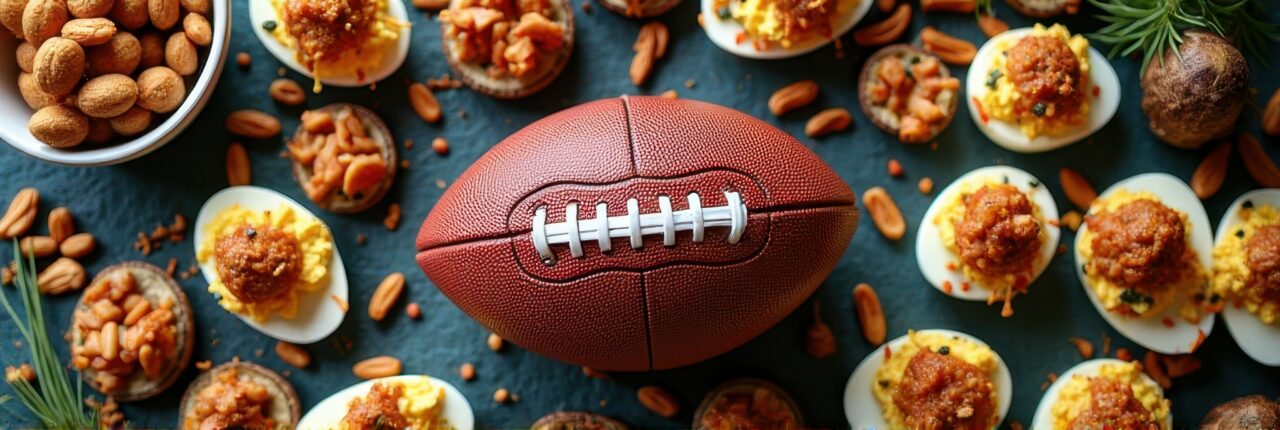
[(611, 214)]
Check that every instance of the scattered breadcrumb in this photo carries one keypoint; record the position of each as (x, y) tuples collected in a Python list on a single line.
[(404, 164), (408, 144), (502, 396), (171, 268), (440, 145), (670, 94), (467, 372), (244, 59), (440, 183), (689, 83), (361, 239), (444, 82), (586, 7), (392, 221), (204, 365), (895, 168), (495, 342), (258, 353), (1083, 346), (925, 185)]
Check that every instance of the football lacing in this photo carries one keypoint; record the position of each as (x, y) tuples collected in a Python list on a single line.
[(635, 225)]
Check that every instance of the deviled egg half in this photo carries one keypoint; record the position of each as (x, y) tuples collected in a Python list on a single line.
[(354, 47), (1103, 393), (415, 402), (898, 386), (988, 235), (272, 263), (1037, 89), (759, 28), (1143, 255), (1246, 273)]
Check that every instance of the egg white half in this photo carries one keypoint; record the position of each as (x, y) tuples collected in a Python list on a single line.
[(1044, 412), (932, 256), (724, 33), (330, 411), (863, 410), (1261, 342), (261, 11), (1008, 135), (1150, 332), (318, 315)]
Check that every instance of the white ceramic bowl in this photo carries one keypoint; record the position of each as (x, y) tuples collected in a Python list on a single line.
[(14, 112)]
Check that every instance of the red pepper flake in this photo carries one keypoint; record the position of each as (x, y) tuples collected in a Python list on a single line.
[(1083, 346), (1199, 340), (1106, 345), (964, 286), (952, 266), (741, 37), (946, 287), (1053, 222), (888, 353), (1096, 90), (982, 113), (1123, 354), (1062, 249), (1168, 323), (1015, 425)]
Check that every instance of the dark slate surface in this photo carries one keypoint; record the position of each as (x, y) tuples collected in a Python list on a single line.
[(116, 202)]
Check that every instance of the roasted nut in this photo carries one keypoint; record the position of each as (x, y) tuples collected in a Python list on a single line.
[(59, 126), (886, 31), (377, 367), (494, 341), (11, 16), (160, 89), (1271, 116), (870, 314), (151, 47), (40, 246), (62, 276), (819, 342), (293, 354), (21, 214), (828, 121), (658, 401), (89, 8), (884, 213), (180, 54), (1077, 188), (107, 96), (363, 174), (649, 46), (197, 28), (59, 66), (61, 225), (163, 13), (950, 49), (793, 96), (35, 97), (196, 6), (43, 19), (1212, 171), (385, 296), (89, 31), (990, 25), (1260, 165), (130, 14), (120, 55), (99, 131), (78, 245), (253, 124), (424, 103), (131, 122), (26, 55), (238, 172), (287, 92)]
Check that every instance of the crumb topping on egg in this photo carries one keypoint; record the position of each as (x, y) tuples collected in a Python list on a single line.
[(929, 360), (785, 22), (1246, 263), (1118, 395)]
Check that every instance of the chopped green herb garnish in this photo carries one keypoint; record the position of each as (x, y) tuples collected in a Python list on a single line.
[(1039, 109), (944, 350), (995, 76), (1248, 204), (1034, 183), (269, 25), (724, 13), (1132, 296)]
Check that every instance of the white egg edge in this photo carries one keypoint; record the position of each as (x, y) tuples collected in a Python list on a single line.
[(331, 410), (724, 34), (318, 314), (1043, 419), (1150, 332), (261, 11), (1009, 136), (863, 411), (932, 256), (1261, 342)]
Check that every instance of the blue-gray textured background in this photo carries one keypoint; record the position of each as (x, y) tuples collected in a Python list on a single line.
[(117, 202)]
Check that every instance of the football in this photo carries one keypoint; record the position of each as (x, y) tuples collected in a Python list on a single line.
[(638, 233)]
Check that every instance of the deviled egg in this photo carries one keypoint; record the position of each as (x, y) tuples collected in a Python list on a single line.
[(988, 235), (1246, 283), (760, 29), (1037, 89), (1143, 256), (1103, 393), (272, 263), (890, 389), (354, 46), (416, 402)]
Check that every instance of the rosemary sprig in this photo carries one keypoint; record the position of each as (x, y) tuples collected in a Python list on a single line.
[(55, 404), (1156, 26)]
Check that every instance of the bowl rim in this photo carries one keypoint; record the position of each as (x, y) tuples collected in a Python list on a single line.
[(197, 97)]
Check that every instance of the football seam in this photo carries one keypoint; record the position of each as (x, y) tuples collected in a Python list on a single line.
[(644, 293)]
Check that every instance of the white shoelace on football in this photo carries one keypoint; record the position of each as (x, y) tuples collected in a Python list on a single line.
[(635, 225)]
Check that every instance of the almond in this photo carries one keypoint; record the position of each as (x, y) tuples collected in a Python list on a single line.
[(40, 246), (658, 401), (151, 50), (35, 97), (1212, 171), (11, 16), (180, 54), (238, 172), (793, 96), (61, 225), (77, 245), (89, 31), (130, 14), (828, 121), (43, 19), (90, 8), (121, 54), (646, 49), (196, 6), (59, 126), (107, 96), (1260, 165), (253, 124), (293, 354), (99, 131), (59, 64), (197, 28), (1271, 116), (287, 92), (884, 213), (131, 122), (26, 55), (385, 296), (62, 276), (163, 13), (377, 367), (424, 103), (886, 31), (161, 90), (1077, 188), (870, 314)]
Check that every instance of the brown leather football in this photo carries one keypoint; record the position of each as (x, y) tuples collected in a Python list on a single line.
[(638, 233)]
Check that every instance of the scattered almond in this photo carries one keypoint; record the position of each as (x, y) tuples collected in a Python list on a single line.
[(1271, 116), (1260, 165), (1211, 172), (377, 367), (341, 302), (793, 96), (1123, 354), (253, 124), (1077, 188), (949, 49), (89, 31), (63, 275), (870, 314), (77, 245), (385, 296), (990, 25), (886, 31), (204, 365), (61, 225), (827, 122), (884, 213), (658, 401), (424, 103), (292, 354), (40, 246), (819, 342), (1083, 346), (21, 214), (1177, 366), (287, 92), (238, 171), (1152, 365), (392, 221)]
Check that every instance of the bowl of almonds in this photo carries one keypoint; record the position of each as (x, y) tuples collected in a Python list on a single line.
[(98, 82)]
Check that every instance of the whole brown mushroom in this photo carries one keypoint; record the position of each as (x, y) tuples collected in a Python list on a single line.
[(1196, 96), (1245, 413)]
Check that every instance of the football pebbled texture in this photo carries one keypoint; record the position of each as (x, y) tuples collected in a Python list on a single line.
[(658, 305)]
